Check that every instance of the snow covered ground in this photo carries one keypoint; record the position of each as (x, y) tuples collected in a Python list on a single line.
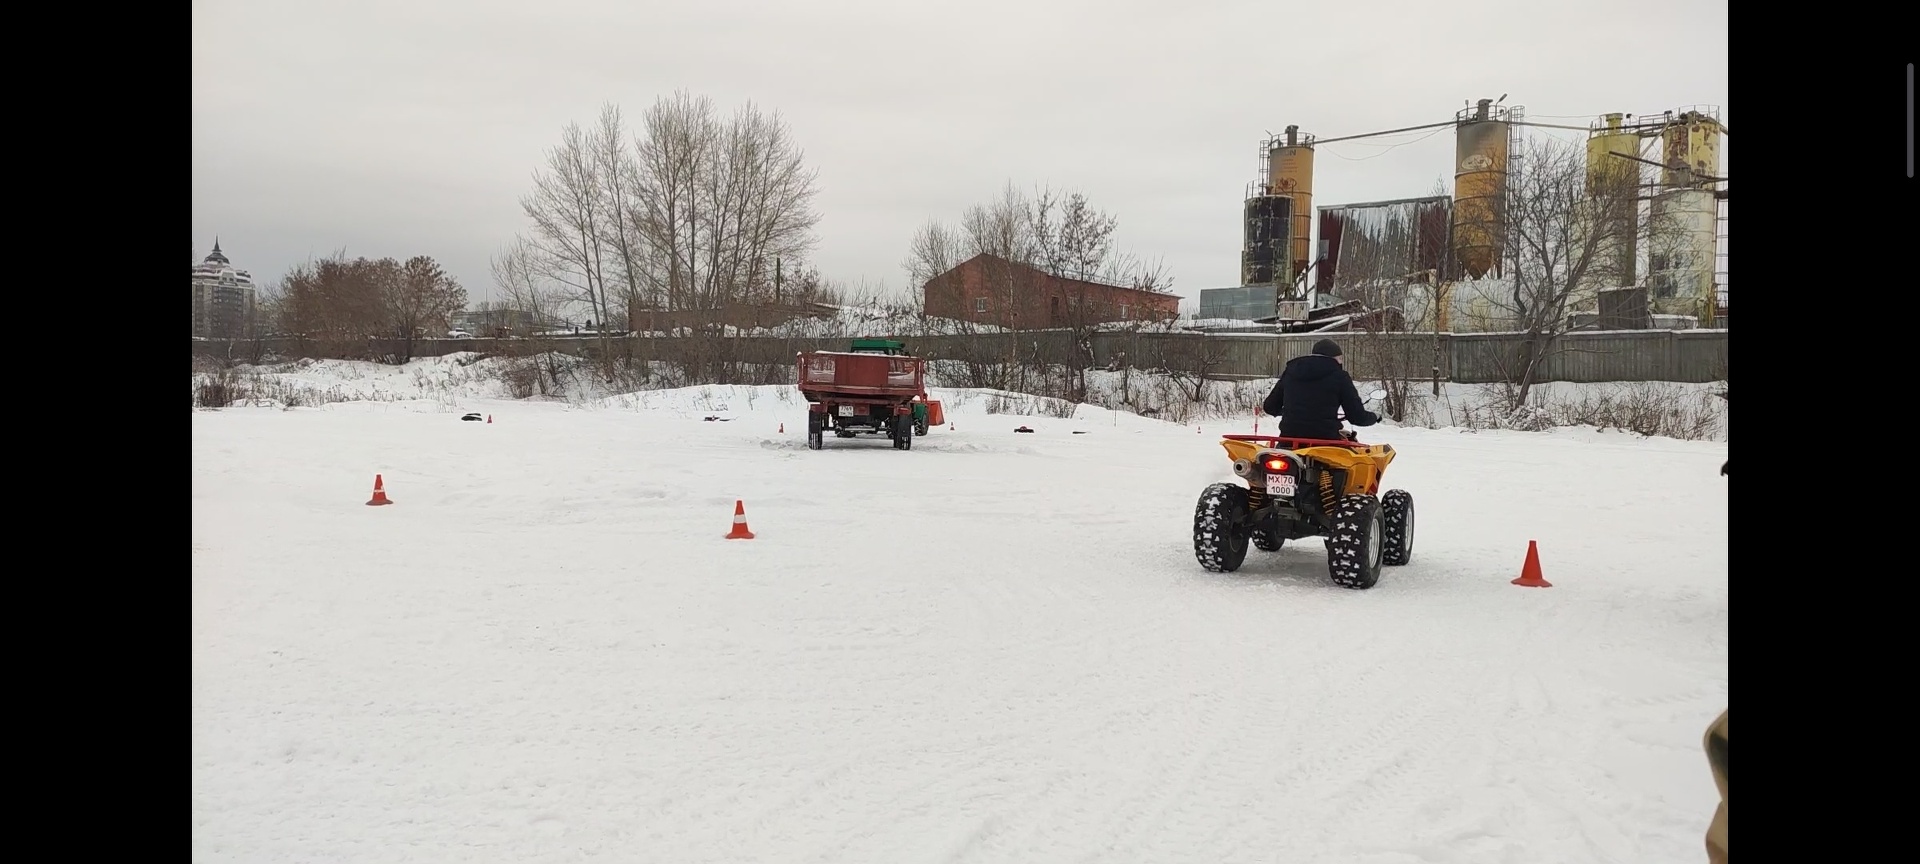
[(994, 647)]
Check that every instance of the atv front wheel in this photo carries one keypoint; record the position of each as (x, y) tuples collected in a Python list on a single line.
[(1397, 509), (1219, 535), (1354, 548)]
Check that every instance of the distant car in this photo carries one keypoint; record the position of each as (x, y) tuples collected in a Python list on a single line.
[(459, 334)]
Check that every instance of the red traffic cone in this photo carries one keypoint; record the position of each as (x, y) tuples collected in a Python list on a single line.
[(379, 493), (739, 531), (489, 418), (1530, 571), (783, 427)]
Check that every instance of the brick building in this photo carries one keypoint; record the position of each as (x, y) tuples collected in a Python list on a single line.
[(987, 289)]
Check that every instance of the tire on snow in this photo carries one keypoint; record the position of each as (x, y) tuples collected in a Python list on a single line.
[(1218, 544), (1266, 535), (1396, 547), (902, 432), (1355, 546)]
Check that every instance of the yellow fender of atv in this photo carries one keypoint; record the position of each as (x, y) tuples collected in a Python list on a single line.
[(1364, 468), (1237, 450)]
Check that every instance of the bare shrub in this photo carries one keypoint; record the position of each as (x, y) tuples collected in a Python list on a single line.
[(216, 389), (1650, 409)]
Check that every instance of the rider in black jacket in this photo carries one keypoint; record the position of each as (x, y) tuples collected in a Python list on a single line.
[(1311, 389)]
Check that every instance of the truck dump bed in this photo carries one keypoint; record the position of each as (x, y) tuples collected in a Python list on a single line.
[(860, 374)]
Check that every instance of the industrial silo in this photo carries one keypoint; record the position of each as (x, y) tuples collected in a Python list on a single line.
[(1263, 254), (1690, 150), (1613, 173), (1685, 217), (1290, 173), (1479, 187)]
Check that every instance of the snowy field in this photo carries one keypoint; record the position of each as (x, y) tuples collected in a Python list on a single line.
[(996, 647)]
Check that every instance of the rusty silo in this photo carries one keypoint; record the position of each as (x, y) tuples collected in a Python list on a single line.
[(1686, 216), (1263, 254), (1290, 173), (1690, 150), (1479, 188), (1613, 172)]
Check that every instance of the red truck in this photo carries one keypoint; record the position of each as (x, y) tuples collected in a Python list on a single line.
[(877, 387)]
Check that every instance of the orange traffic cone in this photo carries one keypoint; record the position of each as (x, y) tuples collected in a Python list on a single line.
[(739, 531), (489, 418), (783, 427), (379, 493), (1530, 571)]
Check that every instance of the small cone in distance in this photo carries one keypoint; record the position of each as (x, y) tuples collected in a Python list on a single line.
[(783, 427), (379, 492), (739, 531), (489, 418), (1530, 572)]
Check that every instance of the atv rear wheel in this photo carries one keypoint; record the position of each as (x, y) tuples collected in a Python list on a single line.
[(1266, 534), (1219, 535), (1397, 545), (1355, 545)]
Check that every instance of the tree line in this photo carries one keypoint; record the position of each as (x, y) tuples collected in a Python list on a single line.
[(688, 209), (341, 299)]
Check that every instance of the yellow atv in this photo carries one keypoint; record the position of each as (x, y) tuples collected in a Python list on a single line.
[(1297, 488)]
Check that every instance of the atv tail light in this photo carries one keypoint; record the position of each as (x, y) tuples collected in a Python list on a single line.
[(1277, 464)]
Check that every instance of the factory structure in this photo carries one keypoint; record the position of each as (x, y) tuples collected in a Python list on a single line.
[(1445, 262)]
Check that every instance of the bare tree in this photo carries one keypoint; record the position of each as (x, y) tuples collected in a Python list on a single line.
[(720, 202), (1563, 250), (1189, 359), (569, 210), (419, 296), (519, 271), (1024, 235), (625, 240), (338, 299)]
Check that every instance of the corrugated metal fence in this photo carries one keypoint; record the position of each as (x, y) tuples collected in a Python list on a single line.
[(1693, 356)]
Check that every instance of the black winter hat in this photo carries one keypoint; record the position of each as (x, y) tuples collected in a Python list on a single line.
[(1327, 348)]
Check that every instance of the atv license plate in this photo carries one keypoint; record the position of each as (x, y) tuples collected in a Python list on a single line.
[(846, 410), (1280, 484)]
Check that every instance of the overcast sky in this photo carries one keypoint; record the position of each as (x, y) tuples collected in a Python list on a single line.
[(404, 127)]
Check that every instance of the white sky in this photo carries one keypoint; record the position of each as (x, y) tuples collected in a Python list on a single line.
[(404, 127)]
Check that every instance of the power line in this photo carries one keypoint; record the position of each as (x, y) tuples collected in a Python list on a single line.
[(1319, 141), (1385, 149)]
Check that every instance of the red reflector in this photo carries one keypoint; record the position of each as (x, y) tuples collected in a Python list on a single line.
[(1276, 464)]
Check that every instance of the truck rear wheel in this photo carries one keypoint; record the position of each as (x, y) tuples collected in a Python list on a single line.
[(902, 429)]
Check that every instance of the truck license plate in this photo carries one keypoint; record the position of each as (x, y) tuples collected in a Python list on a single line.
[(1280, 484), (846, 410)]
